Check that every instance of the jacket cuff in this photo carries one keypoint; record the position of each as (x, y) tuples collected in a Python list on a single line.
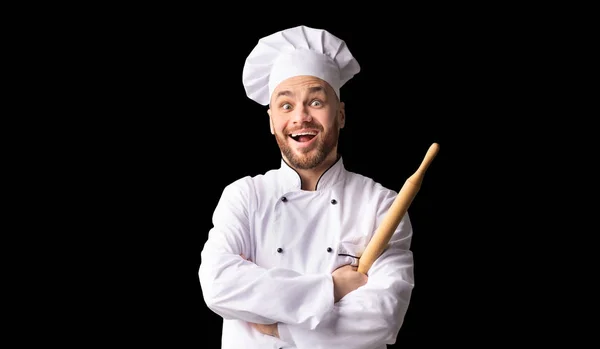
[(285, 334)]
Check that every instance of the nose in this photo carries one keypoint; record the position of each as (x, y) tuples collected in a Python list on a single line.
[(301, 115)]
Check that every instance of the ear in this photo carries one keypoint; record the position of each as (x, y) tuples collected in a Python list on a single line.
[(270, 121), (342, 114)]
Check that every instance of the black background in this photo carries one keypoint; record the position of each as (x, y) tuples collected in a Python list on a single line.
[(170, 125), (126, 121)]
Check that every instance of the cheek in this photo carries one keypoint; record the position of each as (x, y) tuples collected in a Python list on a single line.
[(332, 123), (277, 127)]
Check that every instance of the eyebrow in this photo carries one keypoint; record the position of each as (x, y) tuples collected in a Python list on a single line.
[(311, 90)]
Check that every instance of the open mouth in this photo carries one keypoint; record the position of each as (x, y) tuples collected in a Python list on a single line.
[(303, 137)]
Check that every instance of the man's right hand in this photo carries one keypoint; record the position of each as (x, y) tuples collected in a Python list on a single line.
[(345, 280)]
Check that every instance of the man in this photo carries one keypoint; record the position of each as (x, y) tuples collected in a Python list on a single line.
[(280, 263)]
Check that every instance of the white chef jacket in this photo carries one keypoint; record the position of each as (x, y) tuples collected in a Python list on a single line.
[(295, 239)]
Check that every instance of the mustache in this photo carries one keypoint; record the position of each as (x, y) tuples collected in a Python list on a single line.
[(303, 126)]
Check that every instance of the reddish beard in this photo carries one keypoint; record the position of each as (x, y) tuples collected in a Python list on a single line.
[(314, 155)]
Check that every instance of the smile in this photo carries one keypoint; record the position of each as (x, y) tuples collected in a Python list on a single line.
[(304, 136)]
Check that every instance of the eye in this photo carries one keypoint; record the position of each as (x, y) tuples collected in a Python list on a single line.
[(315, 103), (286, 106)]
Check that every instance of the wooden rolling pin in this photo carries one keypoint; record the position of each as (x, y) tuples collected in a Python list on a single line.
[(390, 222)]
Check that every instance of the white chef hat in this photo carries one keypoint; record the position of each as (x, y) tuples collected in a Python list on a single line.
[(297, 51)]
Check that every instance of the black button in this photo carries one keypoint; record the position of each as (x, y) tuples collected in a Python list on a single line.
[(334, 201), (279, 249), (329, 249), (284, 199)]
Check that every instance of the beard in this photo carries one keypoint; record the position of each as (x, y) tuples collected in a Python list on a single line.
[(314, 155)]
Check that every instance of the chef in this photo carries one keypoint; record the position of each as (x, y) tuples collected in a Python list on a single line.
[(279, 264)]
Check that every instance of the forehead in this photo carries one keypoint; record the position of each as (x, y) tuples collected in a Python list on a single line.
[(302, 84)]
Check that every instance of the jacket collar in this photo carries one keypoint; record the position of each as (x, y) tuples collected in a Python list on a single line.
[(329, 178)]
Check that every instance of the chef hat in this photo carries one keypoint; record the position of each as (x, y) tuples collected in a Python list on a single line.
[(297, 51)]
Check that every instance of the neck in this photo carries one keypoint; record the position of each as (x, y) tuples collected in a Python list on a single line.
[(310, 177)]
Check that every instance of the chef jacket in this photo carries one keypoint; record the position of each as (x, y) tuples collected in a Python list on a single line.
[(293, 240)]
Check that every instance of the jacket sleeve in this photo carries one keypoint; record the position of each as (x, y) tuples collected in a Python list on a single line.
[(238, 289), (372, 315)]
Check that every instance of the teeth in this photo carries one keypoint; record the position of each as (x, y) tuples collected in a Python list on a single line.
[(303, 134)]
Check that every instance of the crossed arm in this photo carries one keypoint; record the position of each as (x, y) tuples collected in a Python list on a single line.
[(345, 280), (343, 309)]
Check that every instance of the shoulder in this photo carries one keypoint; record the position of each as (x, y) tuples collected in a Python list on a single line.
[(239, 186), (248, 185), (368, 185)]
